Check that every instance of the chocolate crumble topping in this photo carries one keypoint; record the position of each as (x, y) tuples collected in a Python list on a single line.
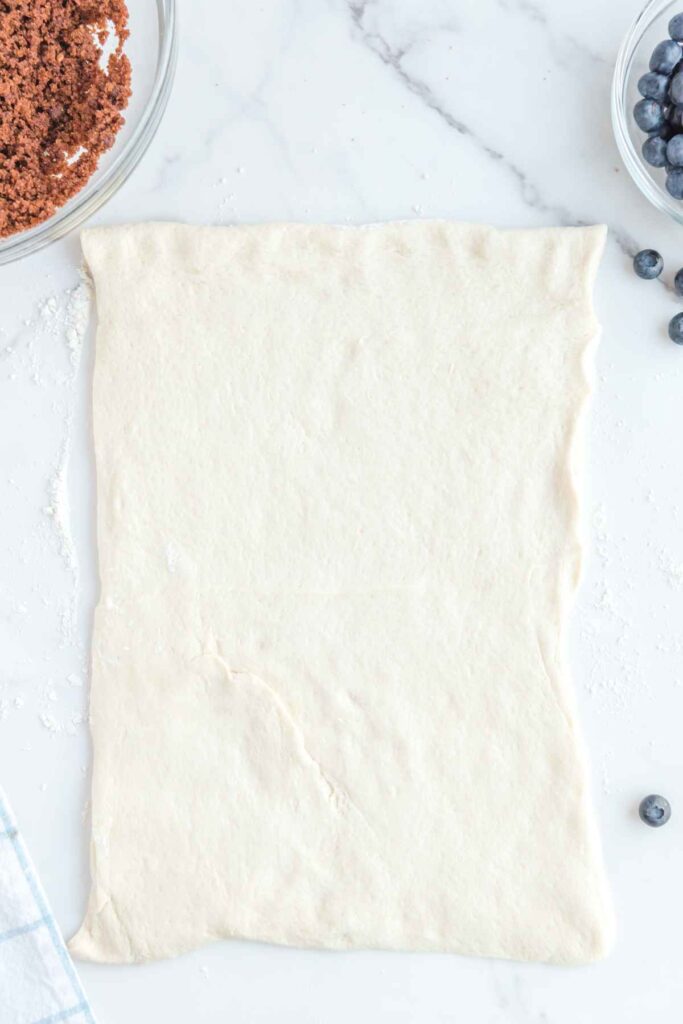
[(59, 108)]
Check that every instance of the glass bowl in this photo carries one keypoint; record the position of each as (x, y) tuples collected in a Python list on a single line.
[(649, 28), (151, 49)]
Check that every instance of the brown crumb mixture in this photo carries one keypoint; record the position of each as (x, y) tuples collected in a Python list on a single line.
[(59, 110)]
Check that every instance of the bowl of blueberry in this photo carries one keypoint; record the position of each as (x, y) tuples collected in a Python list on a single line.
[(647, 104)]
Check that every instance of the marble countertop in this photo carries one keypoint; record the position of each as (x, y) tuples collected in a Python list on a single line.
[(325, 110)]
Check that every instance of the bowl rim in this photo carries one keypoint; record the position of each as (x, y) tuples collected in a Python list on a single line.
[(621, 114), (95, 193)]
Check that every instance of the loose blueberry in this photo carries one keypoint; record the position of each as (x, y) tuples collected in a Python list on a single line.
[(674, 151), (676, 27), (649, 115), (665, 57), (678, 282), (654, 151), (676, 328), (653, 86), (655, 810), (648, 264), (674, 182)]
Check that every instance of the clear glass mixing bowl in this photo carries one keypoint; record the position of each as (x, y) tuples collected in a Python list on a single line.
[(649, 28), (151, 48)]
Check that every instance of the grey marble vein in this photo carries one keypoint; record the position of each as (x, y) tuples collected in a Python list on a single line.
[(564, 42), (531, 195)]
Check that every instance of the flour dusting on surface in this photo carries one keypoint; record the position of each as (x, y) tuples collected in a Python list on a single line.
[(76, 317), (42, 359), (58, 510), (672, 569), (614, 678)]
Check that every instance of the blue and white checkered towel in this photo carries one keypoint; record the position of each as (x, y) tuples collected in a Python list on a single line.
[(38, 982)]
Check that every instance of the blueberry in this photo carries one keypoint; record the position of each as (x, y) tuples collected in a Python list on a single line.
[(649, 115), (676, 334), (648, 264), (678, 282), (655, 810), (675, 88), (665, 56), (654, 151), (676, 27), (674, 182), (674, 151), (653, 86), (674, 116)]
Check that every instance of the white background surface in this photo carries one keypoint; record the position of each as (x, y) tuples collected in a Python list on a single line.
[(487, 110)]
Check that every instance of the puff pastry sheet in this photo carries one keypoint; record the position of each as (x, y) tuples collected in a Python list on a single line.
[(337, 530)]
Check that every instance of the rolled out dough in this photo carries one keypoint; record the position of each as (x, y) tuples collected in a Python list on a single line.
[(337, 525)]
